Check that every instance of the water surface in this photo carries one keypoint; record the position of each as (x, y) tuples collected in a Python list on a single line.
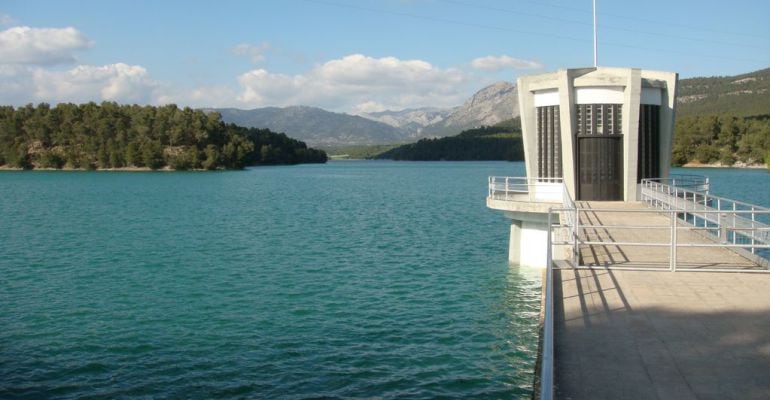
[(351, 279)]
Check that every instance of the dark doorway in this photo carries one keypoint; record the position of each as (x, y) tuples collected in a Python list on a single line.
[(600, 168), (599, 152)]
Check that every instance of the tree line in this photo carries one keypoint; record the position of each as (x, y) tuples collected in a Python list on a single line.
[(108, 135), (725, 138), (486, 143)]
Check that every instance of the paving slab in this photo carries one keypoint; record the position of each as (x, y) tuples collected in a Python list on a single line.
[(623, 334)]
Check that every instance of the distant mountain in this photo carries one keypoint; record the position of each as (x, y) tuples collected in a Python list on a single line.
[(490, 105), (315, 126), (744, 95), (411, 121), (318, 127)]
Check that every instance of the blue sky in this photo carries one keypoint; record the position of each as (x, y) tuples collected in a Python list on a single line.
[(351, 56)]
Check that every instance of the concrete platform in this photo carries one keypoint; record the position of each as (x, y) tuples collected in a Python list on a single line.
[(661, 335)]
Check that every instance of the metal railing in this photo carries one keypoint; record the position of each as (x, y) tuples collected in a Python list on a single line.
[(509, 188), (602, 235), (546, 387), (684, 199), (724, 220), (695, 183)]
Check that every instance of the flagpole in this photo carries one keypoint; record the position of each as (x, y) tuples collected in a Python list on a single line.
[(595, 55)]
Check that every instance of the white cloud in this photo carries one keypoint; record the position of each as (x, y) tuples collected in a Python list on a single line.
[(256, 53), (354, 83), (496, 63), (357, 82), (115, 82), (367, 107), (41, 46)]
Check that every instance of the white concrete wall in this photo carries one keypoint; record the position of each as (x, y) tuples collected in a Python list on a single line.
[(599, 95), (545, 98)]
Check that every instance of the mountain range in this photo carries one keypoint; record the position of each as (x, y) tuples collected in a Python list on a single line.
[(318, 127), (314, 126), (489, 106)]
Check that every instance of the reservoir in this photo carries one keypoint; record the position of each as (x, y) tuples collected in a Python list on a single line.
[(350, 279)]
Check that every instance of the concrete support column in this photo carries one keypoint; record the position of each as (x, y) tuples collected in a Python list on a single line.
[(568, 113), (528, 244), (514, 244), (631, 104)]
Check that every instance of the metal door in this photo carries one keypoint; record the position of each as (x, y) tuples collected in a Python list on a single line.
[(600, 168)]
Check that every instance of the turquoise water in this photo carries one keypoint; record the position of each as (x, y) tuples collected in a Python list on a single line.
[(746, 185), (345, 280)]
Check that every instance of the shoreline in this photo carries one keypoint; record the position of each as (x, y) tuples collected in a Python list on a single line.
[(720, 165), (121, 169)]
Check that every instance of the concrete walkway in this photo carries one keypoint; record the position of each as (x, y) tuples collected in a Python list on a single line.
[(661, 335), (658, 231)]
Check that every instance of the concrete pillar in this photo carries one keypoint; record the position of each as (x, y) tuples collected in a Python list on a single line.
[(631, 104), (568, 116), (514, 244), (534, 244), (528, 244)]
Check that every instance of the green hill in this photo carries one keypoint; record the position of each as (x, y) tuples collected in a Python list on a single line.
[(723, 119), (740, 95), (110, 136), (487, 143)]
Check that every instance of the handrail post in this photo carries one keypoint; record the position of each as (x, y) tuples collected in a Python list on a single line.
[(733, 224), (753, 231), (575, 233), (673, 242), (507, 190)]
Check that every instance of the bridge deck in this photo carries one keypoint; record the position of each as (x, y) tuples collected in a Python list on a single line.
[(647, 256), (623, 334), (661, 335)]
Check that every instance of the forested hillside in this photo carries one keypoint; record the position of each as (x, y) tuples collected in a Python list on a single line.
[(500, 142), (91, 136), (724, 119), (724, 138), (740, 95)]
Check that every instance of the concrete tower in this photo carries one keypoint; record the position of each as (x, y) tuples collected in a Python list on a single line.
[(600, 129), (589, 134)]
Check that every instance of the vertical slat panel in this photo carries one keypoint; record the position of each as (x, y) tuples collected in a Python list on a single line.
[(655, 141), (557, 143), (649, 142), (546, 142), (540, 148), (549, 156)]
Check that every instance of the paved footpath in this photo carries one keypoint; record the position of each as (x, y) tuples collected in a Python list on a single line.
[(661, 335), (658, 231)]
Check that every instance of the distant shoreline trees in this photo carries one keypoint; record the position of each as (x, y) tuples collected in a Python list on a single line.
[(724, 138), (107, 135), (487, 143)]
